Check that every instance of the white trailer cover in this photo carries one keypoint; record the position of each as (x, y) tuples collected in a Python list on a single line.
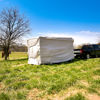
[(48, 50)]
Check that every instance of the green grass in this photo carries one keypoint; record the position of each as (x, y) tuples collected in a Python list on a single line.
[(78, 96), (16, 55), (4, 96), (20, 81)]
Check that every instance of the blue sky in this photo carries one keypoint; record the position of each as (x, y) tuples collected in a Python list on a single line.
[(60, 17)]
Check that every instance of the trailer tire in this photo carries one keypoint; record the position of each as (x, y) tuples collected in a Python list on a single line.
[(87, 56)]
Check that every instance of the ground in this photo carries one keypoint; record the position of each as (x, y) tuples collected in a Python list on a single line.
[(75, 80)]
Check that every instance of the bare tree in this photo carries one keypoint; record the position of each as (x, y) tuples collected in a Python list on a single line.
[(12, 27)]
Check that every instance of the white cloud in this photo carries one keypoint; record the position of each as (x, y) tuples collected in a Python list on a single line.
[(79, 37)]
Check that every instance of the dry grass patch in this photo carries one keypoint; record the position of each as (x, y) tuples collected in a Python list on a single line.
[(1, 86), (84, 83), (65, 94), (96, 77), (93, 97), (19, 65), (35, 94)]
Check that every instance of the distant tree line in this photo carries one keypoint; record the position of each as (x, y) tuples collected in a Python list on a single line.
[(17, 48)]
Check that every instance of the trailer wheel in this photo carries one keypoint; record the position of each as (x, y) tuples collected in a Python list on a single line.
[(87, 56), (96, 56)]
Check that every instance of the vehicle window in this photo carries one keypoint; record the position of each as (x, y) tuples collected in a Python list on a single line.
[(90, 47), (87, 47), (84, 47), (97, 46)]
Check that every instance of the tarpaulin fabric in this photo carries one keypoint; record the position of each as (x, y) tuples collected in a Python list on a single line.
[(48, 50)]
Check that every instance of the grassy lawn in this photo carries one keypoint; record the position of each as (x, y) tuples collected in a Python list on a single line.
[(76, 80)]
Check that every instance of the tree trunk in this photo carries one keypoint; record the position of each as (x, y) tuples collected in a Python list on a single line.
[(5, 57), (6, 52)]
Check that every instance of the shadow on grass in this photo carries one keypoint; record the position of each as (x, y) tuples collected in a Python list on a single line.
[(67, 62), (23, 59), (19, 59)]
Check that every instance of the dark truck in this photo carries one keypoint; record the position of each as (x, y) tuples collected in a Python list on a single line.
[(87, 51)]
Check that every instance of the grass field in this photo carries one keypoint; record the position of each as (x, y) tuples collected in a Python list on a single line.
[(75, 80)]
